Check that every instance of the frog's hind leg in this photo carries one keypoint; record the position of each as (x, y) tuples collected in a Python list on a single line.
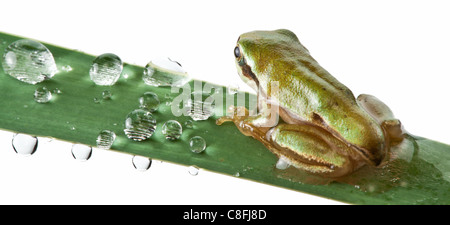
[(313, 149), (304, 145), (384, 116)]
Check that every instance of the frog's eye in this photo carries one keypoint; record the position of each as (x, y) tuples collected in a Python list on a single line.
[(237, 52)]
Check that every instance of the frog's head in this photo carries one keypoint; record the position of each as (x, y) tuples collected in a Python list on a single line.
[(259, 54)]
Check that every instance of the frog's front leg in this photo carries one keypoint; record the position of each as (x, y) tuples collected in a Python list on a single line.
[(255, 126)]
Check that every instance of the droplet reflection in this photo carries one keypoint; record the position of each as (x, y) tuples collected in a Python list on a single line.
[(81, 152), (24, 144)]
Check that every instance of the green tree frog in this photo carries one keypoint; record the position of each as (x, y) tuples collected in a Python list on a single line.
[(324, 130)]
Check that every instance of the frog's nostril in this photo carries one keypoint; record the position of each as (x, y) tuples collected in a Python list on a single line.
[(237, 52)]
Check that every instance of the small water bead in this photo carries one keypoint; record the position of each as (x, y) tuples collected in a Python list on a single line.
[(106, 69), (282, 163), (232, 89), (24, 144), (193, 170), (149, 101), (106, 95), (172, 130), (42, 95), (197, 144), (66, 68), (105, 139), (56, 91), (200, 106), (96, 100), (164, 72), (141, 163), (139, 125), (189, 124), (81, 152), (29, 61), (168, 97)]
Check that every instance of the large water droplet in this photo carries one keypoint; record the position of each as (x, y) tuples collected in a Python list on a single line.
[(164, 72), (81, 152), (149, 101), (28, 61), (42, 95), (200, 106), (106, 69), (105, 139), (139, 125), (172, 130), (141, 163), (197, 144), (24, 144)]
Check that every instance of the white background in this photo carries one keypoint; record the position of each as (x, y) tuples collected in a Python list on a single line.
[(395, 50)]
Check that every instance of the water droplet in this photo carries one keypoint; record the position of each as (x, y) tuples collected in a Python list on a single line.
[(141, 163), (193, 170), (24, 144), (105, 139), (172, 130), (197, 144), (66, 68), (232, 89), (28, 61), (106, 95), (149, 101), (106, 69), (57, 91), (168, 97), (81, 152), (200, 106), (96, 100), (283, 163), (164, 72), (139, 125), (189, 124), (42, 95)]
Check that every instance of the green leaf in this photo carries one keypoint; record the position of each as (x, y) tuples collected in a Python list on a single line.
[(421, 174)]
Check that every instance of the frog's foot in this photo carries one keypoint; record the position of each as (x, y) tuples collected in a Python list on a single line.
[(313, 149), (234, 114), (394, 130), (384, 116)]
